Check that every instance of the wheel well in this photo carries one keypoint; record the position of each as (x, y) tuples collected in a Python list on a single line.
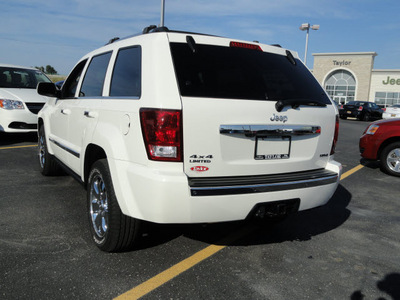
[(93, 153), (387, 142), (40, 123)]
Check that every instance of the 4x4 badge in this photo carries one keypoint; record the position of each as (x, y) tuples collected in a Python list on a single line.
[(279, 118)]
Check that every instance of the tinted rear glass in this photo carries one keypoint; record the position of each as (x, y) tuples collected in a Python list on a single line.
[(355, 103), (126, 79), (92, 85), (237, 73)]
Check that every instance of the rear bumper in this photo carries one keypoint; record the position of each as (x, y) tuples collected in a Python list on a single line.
[(260, 184), (349, 113), (387, 115), (167, 197)]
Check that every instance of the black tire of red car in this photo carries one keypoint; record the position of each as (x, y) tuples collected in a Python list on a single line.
[(389, 158), (47, 163), (111, 230)]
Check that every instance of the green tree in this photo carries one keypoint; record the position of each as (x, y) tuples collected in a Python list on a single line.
[(50, 70), (40, 69)]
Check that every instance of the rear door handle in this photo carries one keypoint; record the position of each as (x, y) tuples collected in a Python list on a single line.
[(90, 114), (65, 111)]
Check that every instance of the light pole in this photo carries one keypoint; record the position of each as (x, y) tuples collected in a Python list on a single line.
[(162, 13), (303, 27)]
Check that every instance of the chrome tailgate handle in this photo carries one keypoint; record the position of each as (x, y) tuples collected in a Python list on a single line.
[(269, 130)]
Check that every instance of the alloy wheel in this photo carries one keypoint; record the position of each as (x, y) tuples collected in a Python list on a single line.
[(99, 206), (393, 160)]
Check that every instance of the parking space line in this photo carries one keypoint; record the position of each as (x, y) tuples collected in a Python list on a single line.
[(352, 171), (16, 147), (165, 276)]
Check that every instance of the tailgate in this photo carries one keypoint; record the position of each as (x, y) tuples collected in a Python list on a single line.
[(232, 123), (251, 138)]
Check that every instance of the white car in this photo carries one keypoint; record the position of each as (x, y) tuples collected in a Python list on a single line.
[(19, 101), (391, 112), (175, 127)]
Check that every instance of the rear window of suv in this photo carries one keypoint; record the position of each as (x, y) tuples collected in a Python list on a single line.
[(237, 73)]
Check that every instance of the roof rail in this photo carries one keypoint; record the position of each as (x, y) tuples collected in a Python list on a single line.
[(112, 40), (154, 28)]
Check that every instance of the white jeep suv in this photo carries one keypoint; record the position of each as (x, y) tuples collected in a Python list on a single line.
[(176, 127)]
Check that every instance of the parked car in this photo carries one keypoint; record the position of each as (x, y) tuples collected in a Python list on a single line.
[(19, 101), (175, 127), (59, 84), (362, 110), (391, 112), (381, 142)]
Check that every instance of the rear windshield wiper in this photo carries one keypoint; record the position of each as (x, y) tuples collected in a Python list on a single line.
[(295, 103)]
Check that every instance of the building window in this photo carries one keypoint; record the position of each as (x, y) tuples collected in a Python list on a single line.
[(341, 86), (384, 99)]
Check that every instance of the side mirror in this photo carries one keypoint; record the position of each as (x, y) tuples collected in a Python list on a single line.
[(47, 89)]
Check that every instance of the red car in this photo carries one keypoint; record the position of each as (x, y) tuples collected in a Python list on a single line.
[(381, 141)]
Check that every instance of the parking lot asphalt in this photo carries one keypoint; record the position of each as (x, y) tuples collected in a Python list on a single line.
[(347, 249)]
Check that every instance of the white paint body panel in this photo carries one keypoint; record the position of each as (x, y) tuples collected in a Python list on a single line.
[(159, 191), (19, 115)]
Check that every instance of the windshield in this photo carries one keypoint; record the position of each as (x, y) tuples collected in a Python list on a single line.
[(237, 73), (21, 78)]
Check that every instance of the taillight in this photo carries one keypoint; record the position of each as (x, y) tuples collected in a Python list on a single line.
[(162, 133), (341, 106), (384, 109), (360, 108), (335, 136)]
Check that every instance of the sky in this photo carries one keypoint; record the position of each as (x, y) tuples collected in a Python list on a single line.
[(60, 32)]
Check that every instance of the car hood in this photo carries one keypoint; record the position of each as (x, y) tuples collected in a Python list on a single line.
[(24, 95), (390, 122)]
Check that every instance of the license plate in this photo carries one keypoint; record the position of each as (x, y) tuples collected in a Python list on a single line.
[(273, 147), (393, 115)]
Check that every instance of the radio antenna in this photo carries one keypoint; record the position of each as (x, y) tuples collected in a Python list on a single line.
[(162, 13)]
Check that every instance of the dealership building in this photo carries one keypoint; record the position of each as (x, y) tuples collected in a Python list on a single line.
[(351, 76)]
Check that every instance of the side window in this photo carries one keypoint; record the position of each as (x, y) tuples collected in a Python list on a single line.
[(93, 81), (69, 87), (126, 78)]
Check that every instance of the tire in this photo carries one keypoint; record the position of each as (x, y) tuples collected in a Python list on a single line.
[(111, 230), (366, 117), (47, 163), (390, 159), (343, 117)]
